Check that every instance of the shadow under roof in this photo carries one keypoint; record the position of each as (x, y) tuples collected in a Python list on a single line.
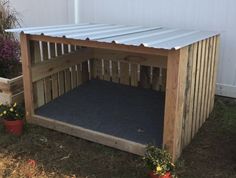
[(152, 37)]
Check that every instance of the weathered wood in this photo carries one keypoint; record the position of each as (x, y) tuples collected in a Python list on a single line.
[(174, 102), (216, 61), (134, 58), (134, 75), (124, 73), (101, 45), (10, 88), (47, 68), (145, 77), (90, 135), (27, 80)]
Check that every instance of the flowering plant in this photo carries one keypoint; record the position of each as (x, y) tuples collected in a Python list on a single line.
[(158, 161), (11, 112), (9, 58)]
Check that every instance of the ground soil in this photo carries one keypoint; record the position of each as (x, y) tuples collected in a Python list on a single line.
[(40, 152)]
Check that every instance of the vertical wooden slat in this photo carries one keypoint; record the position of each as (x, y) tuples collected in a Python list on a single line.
[(203, 92), (145, 77), (97, 69), (186, 114), (38, 86), (211, 73), (67, 77), (174, 101), (107, 76), (79, 74), (163, 79), (190, 113), (197, 94), (124, 73), (48, 89), (115, 72), (73, 77), (85, 72), (26, 64), (206, 80), (61, 82), (216, 61), (55, 87), (200, 87), (156, 79), (134, 75)]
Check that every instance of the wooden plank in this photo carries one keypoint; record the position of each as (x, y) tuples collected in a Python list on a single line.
[(204, 66), (134, 75), (67, 75), (197, 94), (134, 58), (163, 79), (101, 45), (26, 65), (115, 72), (94, 136), (61, 83), (79, 74), (85, 72), (107, 75), (48, 89), (206, 81), (190, 113), (50, 67), (200, 87), (216, 61), (211, 69), (97, 69), (156, 79), (145, 77), (124, 73), (73, 77), (174, 101), (55, 87)]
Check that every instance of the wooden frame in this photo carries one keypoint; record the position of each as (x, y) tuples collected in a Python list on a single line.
[(11, 90), (187, 76)]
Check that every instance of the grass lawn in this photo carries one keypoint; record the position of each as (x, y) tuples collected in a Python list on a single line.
[(212, 153)]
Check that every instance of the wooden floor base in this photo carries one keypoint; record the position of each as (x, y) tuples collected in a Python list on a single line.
[(101, 138)]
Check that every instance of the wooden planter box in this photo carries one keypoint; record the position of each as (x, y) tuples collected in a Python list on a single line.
[(11, 90)]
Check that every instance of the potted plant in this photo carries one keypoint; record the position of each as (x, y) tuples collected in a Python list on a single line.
[(11, 81), (12, 116), (158, 161)]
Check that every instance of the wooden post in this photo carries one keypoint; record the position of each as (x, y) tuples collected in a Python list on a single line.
[(174, 101), (27, 77)]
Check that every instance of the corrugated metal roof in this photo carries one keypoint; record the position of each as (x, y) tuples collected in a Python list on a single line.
[(153, 37)]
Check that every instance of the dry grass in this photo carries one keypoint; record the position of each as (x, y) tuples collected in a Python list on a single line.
[(211, 154)]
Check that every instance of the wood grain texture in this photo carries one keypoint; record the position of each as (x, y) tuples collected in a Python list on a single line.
[(174, 102)]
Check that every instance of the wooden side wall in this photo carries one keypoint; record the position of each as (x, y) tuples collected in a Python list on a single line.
[(200, 88), (190, 91)]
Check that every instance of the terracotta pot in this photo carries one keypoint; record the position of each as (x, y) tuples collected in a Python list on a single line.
[(14, 127), (167, 175)]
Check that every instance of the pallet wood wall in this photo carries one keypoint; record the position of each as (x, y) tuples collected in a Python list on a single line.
[(59, 68), (200, 88)]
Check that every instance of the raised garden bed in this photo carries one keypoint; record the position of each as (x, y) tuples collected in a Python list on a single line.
[(11, 90)]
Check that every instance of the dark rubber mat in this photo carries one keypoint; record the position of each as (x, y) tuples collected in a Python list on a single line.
[(132, 113)]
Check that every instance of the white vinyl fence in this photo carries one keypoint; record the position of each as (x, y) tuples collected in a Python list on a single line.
[(214, 15)]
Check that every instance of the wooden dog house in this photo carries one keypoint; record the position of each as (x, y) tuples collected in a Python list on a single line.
[(121, 86)]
